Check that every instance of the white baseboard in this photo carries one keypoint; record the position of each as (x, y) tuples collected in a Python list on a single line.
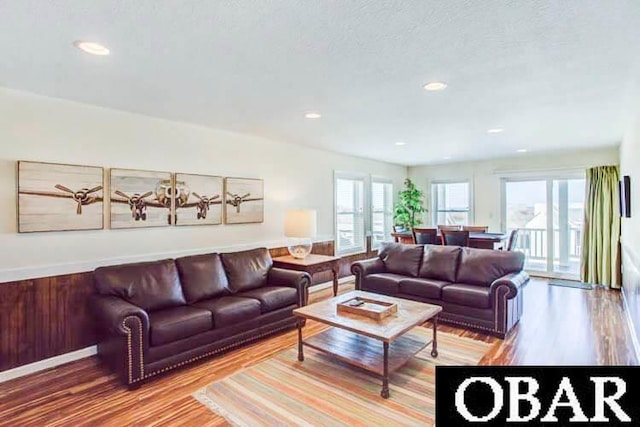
[(52, 362)]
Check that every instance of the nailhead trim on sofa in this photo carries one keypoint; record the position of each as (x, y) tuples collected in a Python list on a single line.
[(130, 346), (470, 325), (193, 359), (501, 327)]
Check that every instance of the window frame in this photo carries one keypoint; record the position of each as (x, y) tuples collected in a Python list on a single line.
[(434, 199), (353, 176), (381, 180)]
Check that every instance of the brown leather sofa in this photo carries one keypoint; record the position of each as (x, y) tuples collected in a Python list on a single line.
[(477, 288), (156, 316)]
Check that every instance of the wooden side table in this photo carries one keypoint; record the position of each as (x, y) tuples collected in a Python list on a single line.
[(311, 264)]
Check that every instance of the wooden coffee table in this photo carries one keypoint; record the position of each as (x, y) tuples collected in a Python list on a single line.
[(357, 339)]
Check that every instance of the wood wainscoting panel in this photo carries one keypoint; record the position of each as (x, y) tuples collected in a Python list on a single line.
[(66, 324), (46, 317), (17, 323)]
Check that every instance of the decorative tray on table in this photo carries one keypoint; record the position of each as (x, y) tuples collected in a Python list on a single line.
[(368, 307)]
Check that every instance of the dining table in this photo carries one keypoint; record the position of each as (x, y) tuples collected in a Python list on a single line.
[(476, 239)]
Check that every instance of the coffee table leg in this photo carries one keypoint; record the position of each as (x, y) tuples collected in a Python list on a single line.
[(334, 270), (434, 345), (385, 378), (300, 351)]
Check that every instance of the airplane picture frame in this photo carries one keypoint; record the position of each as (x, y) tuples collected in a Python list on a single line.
[(244, 200), (140, 199), (199, 199), (59, 197)]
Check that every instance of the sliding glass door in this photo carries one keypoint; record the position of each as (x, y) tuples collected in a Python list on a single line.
[(568, 218), (548, 212), (526, 210)]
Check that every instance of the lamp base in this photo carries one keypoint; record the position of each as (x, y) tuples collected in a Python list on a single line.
[(300, 250)]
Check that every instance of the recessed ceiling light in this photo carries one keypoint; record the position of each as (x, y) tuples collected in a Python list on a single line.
[(91, 47), (401, 143), (434, 86), (495, 130), (313, 115), (522, 150)]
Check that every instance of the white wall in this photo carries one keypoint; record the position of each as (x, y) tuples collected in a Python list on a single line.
[(51, 130), (485, 176), (630, 165)]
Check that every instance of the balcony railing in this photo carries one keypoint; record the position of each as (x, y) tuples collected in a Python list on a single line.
[(533, 242)]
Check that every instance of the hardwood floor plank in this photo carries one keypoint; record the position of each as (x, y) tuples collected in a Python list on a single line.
[(560, 326)]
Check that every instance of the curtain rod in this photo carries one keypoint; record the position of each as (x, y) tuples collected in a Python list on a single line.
[(579, 168)]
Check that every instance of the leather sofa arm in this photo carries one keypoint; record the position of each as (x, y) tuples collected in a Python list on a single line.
[(292, 279), (363, 268), (368, 266), (127, 326), (513, 282), (111, 312)]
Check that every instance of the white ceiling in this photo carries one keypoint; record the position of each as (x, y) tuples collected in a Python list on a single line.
[(555, 74)]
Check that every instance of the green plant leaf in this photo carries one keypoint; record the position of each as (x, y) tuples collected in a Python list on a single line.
[(409, 206)]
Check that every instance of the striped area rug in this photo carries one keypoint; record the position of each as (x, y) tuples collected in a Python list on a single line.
[(324, 392)]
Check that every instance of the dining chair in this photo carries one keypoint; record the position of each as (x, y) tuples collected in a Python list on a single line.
[(449, 227), (513, 240), (455, 237), (476, 228), (425, 236), (405, 238)]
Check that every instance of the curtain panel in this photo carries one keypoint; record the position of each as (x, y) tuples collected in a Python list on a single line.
[(601, 238)]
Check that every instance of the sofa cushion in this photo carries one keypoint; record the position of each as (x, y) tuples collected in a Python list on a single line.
[(384, 283), (272, 297), (483, 266), (172, 324), (247, 269), (229, 311), (426, 288), (440, 262), (401, 259), (202, 277), (469, 295), (149, 285)]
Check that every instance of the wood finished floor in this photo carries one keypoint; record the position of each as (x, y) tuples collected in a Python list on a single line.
[(561, 326)]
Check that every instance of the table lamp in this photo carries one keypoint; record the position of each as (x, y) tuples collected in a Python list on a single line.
[(300, 224)]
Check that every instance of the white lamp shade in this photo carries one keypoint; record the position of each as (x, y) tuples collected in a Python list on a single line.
[(300, 223)]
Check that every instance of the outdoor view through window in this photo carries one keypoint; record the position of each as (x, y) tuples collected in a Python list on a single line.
[(549, 214)]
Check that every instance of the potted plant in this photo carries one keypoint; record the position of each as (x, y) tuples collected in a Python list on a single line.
[(409, 208)]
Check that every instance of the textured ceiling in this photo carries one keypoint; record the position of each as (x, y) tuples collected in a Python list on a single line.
[(554, 74)]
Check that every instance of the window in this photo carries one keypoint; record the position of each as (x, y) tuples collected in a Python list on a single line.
[(381, 211), (364, 207), (350, 218), (451, 203), (548, 212)]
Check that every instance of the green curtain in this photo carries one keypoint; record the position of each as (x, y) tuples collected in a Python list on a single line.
[(601, 237)]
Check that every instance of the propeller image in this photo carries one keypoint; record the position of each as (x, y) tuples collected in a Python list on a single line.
[(204, 204), (82, 197), (236, 200), (137, 204)]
